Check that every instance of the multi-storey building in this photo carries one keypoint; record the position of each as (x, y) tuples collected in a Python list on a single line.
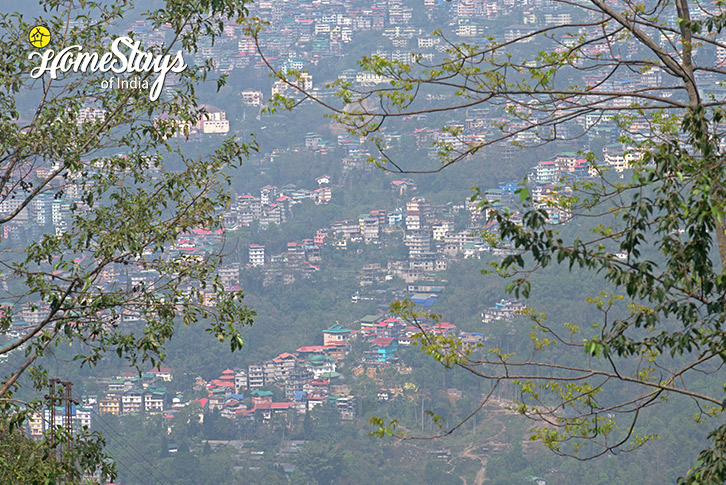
[(336, 335), (440, 230), (418, 243), (255, 376), (240, 381), (213, 121), (257, 255), (111, 404), (132, 402), (250, 97), (368, 227), (154, 399)]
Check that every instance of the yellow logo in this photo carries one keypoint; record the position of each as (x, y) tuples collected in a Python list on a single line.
[(39, 36)]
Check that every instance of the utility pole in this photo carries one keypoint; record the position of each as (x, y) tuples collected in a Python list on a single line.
[(51, 400), (67, 400), (422, 413)]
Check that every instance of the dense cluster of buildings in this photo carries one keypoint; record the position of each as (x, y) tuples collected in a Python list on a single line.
[(309, 375), (503, 310), (272, 204)]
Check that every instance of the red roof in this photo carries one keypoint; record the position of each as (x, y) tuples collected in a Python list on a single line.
[(219, 383), (274, 405), (284, 355), (383, 341), (311, 348)]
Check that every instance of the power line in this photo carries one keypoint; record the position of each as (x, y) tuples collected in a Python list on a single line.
[(128, 469), (125, 444), (68, 414), (152, 468), (129, 448)]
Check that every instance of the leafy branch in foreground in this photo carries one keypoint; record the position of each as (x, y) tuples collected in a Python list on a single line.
[(110, 163)]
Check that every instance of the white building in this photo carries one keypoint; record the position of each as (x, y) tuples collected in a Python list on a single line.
[(250, 97), (132, 402), (257, 255), (213, 121), (440, 230)]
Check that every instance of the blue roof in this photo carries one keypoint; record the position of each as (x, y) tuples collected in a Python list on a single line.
[(427, 303), (299, 395)]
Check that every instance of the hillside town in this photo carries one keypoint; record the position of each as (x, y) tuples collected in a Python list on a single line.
[(349, 213)]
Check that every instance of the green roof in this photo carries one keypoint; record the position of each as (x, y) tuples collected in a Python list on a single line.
[(337, 329), (319, 358), (258, 393), (12, 342)]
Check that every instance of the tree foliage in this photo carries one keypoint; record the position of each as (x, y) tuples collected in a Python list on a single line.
[(111, 162)]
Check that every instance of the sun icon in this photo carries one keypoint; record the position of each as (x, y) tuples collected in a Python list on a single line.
[(39, 36)]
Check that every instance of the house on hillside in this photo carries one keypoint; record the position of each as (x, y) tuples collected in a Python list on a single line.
[(320, 364), (383, 349), (336, 334), (268, 409)]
